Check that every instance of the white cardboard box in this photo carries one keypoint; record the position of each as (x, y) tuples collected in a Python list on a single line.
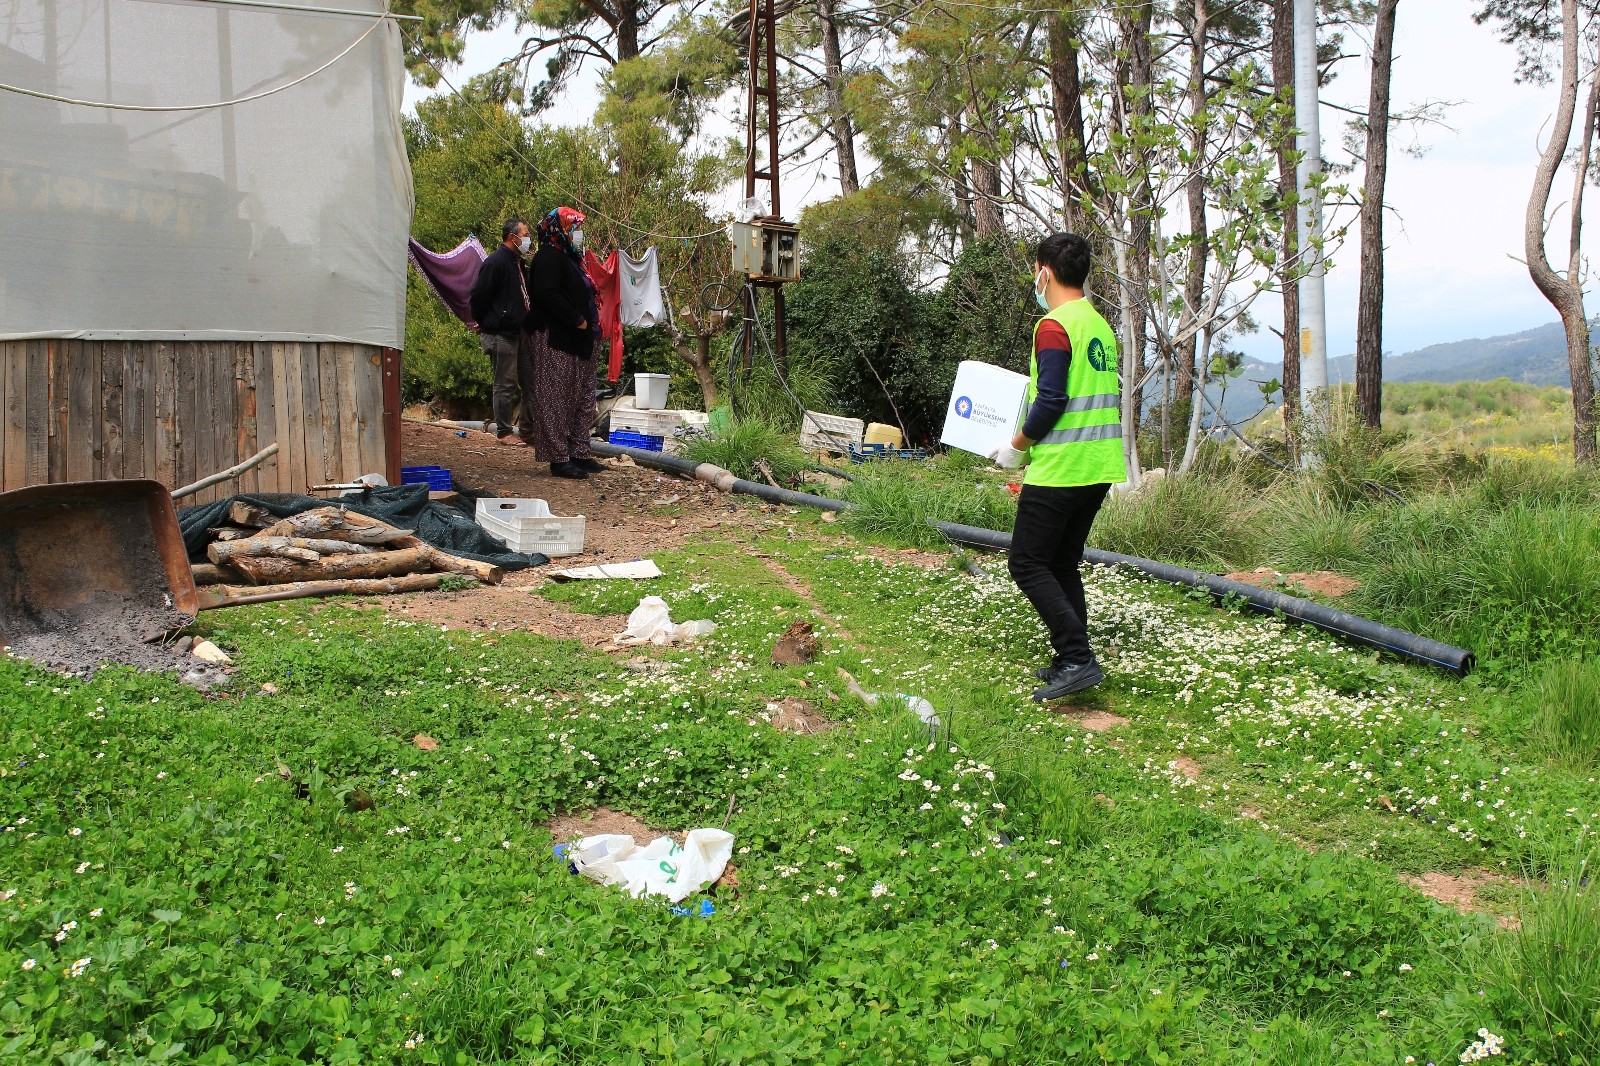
[(987, 406)]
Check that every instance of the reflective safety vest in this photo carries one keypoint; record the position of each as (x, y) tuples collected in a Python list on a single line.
[(1085, 445)]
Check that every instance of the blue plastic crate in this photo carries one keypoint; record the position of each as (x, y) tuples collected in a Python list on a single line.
[(437, 478), (643, 441)]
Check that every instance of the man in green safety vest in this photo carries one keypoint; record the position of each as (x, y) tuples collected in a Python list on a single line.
[(1071, 443)]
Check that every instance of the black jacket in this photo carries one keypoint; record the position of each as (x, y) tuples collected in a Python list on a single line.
[(497, 294), (562, 299)]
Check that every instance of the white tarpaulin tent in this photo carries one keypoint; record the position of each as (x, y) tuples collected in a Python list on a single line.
[(281, 217)]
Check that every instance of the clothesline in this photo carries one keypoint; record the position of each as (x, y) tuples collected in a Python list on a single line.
[(639, 302)]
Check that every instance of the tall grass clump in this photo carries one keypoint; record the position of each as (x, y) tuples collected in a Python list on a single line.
[(1353, 463), (745, 443), (1192, 520), (895, 499), (1565, 706), (1303, 528), (1545, 974), (1515, 585)]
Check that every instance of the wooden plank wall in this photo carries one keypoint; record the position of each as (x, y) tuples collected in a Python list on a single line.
[(176, 411)]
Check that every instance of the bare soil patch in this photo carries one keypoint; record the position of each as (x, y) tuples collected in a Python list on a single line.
[(1461, 892), (1322, 582), (1094, 719), (576, 825), (793, 715), (1186, 766), (511, 607)]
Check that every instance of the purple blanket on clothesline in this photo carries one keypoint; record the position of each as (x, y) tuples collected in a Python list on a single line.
[(451, 274)]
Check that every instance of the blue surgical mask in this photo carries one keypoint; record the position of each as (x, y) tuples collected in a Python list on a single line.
[(1041, 281)]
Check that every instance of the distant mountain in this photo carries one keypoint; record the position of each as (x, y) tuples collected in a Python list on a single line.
[(1536, 356)]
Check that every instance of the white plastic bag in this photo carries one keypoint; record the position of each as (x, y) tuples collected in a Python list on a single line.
[(660, 868), (651, 623)]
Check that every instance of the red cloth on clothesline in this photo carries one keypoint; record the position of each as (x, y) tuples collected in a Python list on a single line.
[(607, 280)]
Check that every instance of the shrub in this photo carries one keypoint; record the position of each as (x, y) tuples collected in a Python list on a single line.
[(442, 362)]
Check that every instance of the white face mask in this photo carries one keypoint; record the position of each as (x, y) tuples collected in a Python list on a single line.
[(524, 245), (577, 238)]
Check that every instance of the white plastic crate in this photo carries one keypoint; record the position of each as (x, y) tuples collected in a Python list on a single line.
[(652, 423), (528, 526), (829, 433)]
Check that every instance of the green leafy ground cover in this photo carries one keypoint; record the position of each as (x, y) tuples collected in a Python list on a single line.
[(1013, 889)]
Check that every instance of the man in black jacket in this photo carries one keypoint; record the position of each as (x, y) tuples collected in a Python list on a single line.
[(500, 307)]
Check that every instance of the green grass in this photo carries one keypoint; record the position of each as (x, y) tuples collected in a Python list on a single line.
[(1019, 890), (896, 499), (1564, 706), (746, 443)]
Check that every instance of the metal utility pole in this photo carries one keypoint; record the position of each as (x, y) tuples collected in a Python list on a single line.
[(1313, 304), (763, 87)]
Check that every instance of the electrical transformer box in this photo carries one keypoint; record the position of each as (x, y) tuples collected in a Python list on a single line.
[(765, 250)]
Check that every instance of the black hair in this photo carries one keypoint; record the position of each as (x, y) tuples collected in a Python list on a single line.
[(1067, 256), (510, 228)]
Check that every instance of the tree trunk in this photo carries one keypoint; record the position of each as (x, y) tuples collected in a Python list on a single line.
[(989, 220), (840, 126), (1141, 73), (1195, 192), (1369, 311), (1066, 99), (1566, 293), (1288, 274), (699, 360), (627, 31)]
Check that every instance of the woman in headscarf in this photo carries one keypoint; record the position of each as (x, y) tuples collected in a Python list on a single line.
[(564, 328)]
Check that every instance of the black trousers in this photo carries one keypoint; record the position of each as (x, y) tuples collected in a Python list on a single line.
[(1046, 548)]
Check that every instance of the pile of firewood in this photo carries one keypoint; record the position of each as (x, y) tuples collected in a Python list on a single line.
[(324, 552)]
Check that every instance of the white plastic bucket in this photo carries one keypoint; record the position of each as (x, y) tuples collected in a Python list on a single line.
[(650, 391)]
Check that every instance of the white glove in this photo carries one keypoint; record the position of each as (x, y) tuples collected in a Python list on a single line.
[(1008, 458)]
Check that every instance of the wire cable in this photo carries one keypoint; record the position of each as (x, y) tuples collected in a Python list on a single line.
[(107, 105)]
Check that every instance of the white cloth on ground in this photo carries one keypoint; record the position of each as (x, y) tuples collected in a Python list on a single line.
[(639, 293)]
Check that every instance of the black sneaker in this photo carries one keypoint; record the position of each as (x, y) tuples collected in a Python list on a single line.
[(1046, 673), (1070, 679), (589, 465), (568, 470)]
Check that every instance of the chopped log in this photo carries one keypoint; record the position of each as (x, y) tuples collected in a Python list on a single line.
[(336, 523), (226, 596), (231, 533), (487, 573), (307, 551), (249, 515), (206, 574), (266, 570)]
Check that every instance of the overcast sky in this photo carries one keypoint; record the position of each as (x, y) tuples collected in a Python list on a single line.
[(1456, 217)]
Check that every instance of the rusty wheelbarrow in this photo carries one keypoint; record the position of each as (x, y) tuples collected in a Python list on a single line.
[(94, 568)]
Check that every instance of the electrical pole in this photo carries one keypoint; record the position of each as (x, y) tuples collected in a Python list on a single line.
[(1308, 141), (763, 87)]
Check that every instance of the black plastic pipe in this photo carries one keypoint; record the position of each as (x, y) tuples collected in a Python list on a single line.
[(1458, 661), (726, 482)]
